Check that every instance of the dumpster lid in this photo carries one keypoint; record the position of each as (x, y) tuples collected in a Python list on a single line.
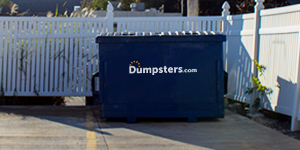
[(176, 33), (144, 37)]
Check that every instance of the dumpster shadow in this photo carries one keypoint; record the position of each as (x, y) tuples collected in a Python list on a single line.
[(232, 131), (160, 120)]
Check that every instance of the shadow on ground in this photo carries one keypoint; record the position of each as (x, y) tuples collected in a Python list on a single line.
[(232, 132)]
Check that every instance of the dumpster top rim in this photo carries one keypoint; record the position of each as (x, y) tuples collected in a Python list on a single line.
[(143, 34)]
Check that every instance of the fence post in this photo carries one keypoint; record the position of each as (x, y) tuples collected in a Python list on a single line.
[(258, 7), (110, 18), (225, 13), (295, 123), (224, 30)]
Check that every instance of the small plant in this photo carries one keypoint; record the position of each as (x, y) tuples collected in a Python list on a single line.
[(257, 85), (13, 9)]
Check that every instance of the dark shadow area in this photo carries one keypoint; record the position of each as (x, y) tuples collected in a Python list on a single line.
[(161, 120), (277, 116), (285, 99), (16, 100), (175, 129), (237, 60), (74, 116), (286, 96)]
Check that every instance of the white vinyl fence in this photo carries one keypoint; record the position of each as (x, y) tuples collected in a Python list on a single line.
[(272, 37), (43, 56)]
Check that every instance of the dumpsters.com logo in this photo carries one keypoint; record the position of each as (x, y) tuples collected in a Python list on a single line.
[(135, 67)]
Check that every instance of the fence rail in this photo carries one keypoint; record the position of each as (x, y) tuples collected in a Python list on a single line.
[(166, 24)]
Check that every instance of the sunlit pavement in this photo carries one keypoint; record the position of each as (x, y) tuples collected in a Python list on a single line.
[(48, 127), (74, 101)]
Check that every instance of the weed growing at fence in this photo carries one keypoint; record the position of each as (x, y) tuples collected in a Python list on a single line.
[(258, 86)]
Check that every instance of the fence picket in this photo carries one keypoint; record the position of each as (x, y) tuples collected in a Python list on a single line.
[(138, 27), (38, 59), (47, 56), (123, 25), (42, 71), (204, 26), (14, 51), (156, 26), (66, 59), (142, 26), (80, 59), (152, 27), (89, 61), (128, 26), (70, 56), (23, 55), (5, 58), (33, 62), (52, 62), (133, 27), (1, 56), (218, 26), (84, 74), (119, 27), (60, 58), (56, 57), (75, 58), (209, 26), (18, 84), (9, 68)]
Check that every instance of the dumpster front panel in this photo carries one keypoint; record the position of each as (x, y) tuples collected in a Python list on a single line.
[(148, 79)]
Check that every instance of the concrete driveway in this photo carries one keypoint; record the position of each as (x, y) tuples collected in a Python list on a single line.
[(47, 127)]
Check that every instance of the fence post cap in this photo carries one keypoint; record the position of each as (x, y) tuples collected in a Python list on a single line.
[(259, 4), (259, 1), (226, 5), (110, 7)]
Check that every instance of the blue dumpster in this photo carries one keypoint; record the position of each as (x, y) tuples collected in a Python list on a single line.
[(161, 75)]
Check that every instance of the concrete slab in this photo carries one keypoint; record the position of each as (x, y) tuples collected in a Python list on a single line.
[(232, 132), (48, 127)]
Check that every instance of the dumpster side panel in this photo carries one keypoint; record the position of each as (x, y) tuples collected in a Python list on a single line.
[(166, 93)]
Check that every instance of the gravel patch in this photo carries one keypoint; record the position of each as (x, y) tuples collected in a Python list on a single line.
[(279, 123)]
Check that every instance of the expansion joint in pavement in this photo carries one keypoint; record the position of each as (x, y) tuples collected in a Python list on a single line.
[(98, 122)]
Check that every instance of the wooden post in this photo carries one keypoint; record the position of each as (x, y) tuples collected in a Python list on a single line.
[(110, 18), (258, 7), (193, 7)]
